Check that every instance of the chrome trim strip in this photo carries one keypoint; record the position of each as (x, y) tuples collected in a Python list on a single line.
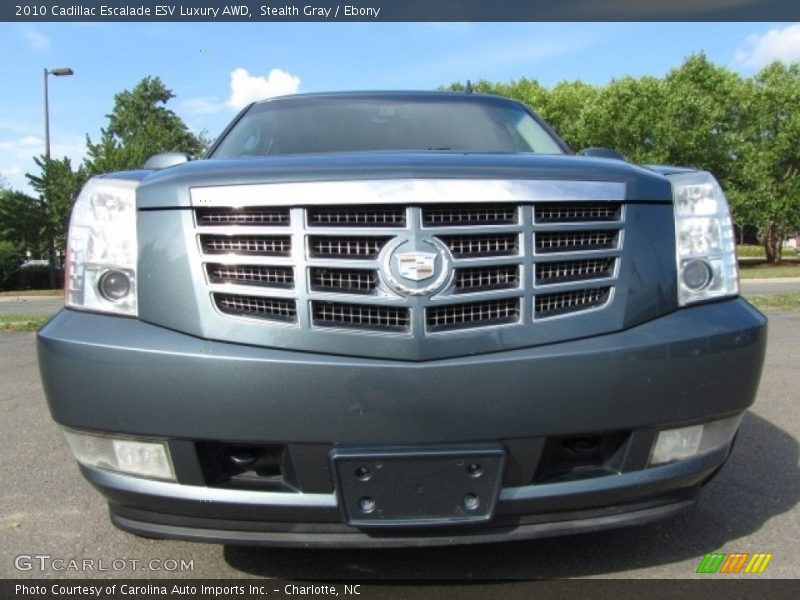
[(405, 191), (197, 493)]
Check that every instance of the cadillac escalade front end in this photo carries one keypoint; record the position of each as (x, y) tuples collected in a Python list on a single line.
[(399, 319)]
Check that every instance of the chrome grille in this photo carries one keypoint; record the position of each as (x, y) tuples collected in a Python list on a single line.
[(577, 212), (471, 246), (486, 214), (346, 247), (359, 316), (550, 305), (325, 265), (564, 241), (348, 281), (458, 316), (574, 270), (266, 276), (261, 245), (276, 217), (274, 309), (357, 216), (487, 278)]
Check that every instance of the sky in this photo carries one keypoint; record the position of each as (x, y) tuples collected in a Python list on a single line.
[(214, 69)]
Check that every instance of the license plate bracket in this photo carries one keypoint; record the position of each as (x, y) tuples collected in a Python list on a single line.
[(395, 487)]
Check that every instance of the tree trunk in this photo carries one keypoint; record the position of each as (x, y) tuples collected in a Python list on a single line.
[(773, 243), (52, 260)]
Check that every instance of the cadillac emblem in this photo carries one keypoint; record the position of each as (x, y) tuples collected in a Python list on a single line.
[(416, 266)]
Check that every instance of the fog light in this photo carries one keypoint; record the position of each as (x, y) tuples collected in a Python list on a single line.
[(141, 458), (686, 442), (114, 285), (697, 274)]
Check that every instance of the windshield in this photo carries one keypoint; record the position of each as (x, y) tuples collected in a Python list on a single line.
[(325, 124)]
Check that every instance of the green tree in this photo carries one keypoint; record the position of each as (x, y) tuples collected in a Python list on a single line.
[(622, 116), (565, 108), (766, 188), (41, 223), (20, 222), (139, 126), (19, 232), (702, 116), (9, 262)]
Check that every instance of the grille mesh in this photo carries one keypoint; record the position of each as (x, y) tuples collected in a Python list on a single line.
[(471, 246), (346, 247), (577, 212), (274, 309), (360, 316), (574, 270), (338, 283), (350, 281), (548, 305), (457, 316), (355, 216), (274, 217), (489, 214), (267, 276), (566, 241), (260, 245), (487, 278)]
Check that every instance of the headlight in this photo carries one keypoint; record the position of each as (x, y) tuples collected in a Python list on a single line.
[(102, 249), (705, 245)]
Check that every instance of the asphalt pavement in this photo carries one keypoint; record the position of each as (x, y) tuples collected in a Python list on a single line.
[(46, 508), (30, 305)]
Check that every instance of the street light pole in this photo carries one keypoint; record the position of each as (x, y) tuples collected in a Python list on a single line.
[(46, 120), (59, 72)]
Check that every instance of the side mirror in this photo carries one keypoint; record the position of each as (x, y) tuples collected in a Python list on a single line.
[(166, 159), (602, 153)]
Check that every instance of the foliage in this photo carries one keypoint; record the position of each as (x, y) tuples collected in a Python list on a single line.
[(20, 222), (57, 185), (789, 301), (743, 130), (767, 189), (22, 322), (789, 268), (9, 262), (755, 251), (139, 126)]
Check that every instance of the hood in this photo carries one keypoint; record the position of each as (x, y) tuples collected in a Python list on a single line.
[(169, 187)]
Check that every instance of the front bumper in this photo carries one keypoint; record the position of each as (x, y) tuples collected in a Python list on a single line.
[(122, 376)]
